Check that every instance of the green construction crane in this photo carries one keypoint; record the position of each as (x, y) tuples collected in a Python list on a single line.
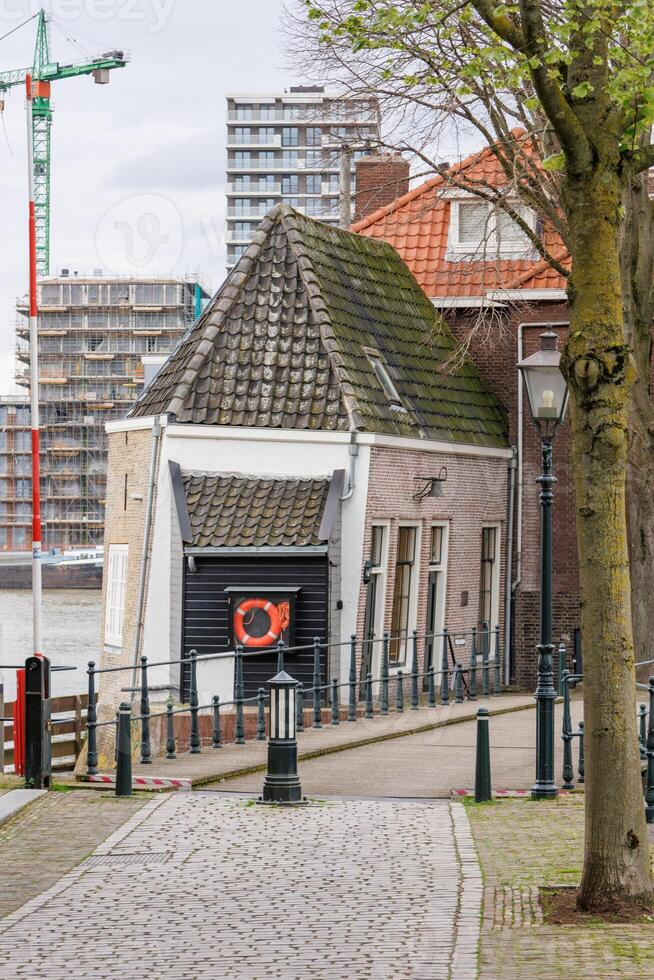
[(43, 72)]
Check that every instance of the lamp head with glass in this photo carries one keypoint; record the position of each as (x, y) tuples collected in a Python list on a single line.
[(546, 387)]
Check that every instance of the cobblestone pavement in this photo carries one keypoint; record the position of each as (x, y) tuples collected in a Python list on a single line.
[(523, 844), (430, 764), (51, 836), (197, 886)]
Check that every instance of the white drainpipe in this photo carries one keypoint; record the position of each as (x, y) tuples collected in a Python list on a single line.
[(353, 450), (145, 552)]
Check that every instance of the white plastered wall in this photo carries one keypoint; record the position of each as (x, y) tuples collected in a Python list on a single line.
[(255, 452)]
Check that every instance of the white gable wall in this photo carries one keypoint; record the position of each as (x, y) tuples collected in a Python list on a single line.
[(257, 452)]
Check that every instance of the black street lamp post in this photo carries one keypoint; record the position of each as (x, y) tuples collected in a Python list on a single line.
[(548, 397)]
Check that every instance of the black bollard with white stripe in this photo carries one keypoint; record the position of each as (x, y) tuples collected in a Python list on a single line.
[(282, 784)]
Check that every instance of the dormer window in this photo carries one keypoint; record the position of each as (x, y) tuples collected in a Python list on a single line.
[(477, 228), (380, 368)]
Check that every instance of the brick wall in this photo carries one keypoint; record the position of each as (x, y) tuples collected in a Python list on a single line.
[(380, 179), (474, 495), (128, 471), (495, 351), (565, 616)]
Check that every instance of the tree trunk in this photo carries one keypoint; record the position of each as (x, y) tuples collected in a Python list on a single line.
[(637, 257), (601, 373)]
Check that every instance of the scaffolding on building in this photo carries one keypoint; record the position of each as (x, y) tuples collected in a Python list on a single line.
[(97, 340)]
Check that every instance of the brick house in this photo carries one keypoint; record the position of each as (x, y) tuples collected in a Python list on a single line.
[(497, 295), (303, 465)]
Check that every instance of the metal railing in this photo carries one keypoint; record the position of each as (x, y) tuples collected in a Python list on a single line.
[(645, 728), (367, 695)]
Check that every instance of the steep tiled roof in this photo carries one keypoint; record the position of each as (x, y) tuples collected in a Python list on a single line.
[(236, 511), (418, 224), (284, 344)]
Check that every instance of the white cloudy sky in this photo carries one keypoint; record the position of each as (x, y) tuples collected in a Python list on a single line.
[(138, 165)]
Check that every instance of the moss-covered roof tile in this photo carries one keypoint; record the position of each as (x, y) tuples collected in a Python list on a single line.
[(286, 343)]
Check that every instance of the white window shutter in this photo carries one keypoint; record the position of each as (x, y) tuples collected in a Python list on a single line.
[(115, 601)]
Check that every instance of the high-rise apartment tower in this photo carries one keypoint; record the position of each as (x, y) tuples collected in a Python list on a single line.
[(288, 148)]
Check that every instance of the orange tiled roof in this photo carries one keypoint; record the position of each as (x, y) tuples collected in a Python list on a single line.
[(417, 224)]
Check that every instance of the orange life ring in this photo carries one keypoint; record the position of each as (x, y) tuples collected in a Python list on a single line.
[(241, 634)]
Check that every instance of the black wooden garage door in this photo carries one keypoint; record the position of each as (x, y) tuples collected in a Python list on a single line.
[(206, 608)]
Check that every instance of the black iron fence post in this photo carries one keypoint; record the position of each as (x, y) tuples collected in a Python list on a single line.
[(239, 724), (582, 763), (91, 721), (431, 687), (261, 713), (472, 687), (146, 752), (414, 673), (649, 779), (497, 682), (299, 723), (369, 711), (568, 768), (217, 735), (194, 738), (458, 684), (399, 691), (642, 730), (485, 660), (561, 666), (170, 731), (317, 690), (335, 705), (445, 674), (280, 656), (352, 699), (383, 693), (483, 791), (124, 751)]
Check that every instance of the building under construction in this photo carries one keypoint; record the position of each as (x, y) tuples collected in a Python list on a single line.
[(99, 341)]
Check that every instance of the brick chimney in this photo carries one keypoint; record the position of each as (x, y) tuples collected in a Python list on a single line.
[(380, 179)]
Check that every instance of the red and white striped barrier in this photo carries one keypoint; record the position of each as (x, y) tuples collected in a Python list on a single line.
[(161, 782), (499, 793)]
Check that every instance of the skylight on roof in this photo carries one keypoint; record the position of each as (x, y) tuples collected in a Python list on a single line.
[(381, 370)]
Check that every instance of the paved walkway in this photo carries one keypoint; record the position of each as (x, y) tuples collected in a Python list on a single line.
[(196, 886), (41, 843), (428, 765), (214, 764)]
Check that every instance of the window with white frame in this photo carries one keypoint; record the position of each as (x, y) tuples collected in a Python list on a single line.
[(375, 579), (378, 561), (489, 584), (115, 602), (478, 226), (436, 581), (403, 613)]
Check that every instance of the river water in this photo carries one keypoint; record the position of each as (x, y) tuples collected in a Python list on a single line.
[(71, 634)]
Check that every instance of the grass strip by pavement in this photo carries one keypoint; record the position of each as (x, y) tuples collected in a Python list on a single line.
[(51, 836), (524, 844)]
